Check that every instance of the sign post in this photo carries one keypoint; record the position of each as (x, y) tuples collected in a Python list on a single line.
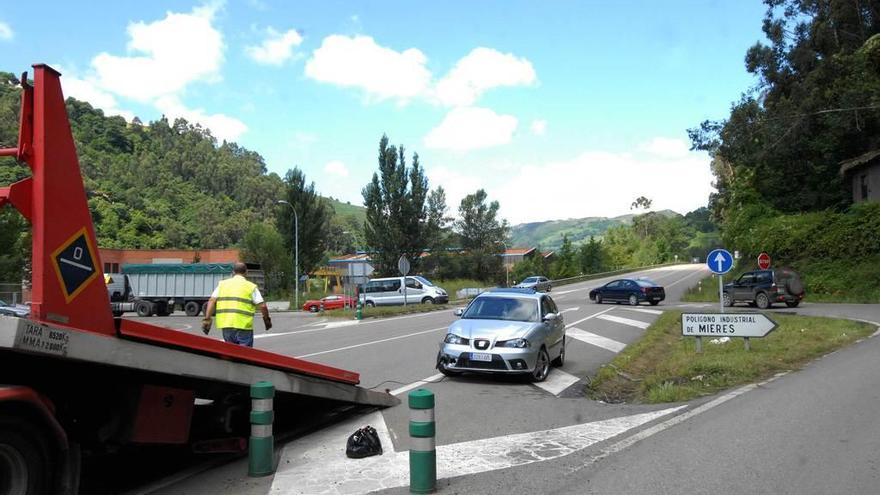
[(743, 325), (763, 260), (719, 261), (403, 266)]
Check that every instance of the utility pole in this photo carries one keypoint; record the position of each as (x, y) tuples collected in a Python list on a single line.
[(296, 253)]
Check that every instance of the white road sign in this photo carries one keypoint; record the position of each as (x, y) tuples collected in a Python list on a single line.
[(726, 325)]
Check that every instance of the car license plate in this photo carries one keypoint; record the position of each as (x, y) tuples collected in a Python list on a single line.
[(481, 356)]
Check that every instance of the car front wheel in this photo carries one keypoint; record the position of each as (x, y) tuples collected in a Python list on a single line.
[(542, 366), (598, 298), (427, 300), (633, 300), (441, 366), (313, 309)]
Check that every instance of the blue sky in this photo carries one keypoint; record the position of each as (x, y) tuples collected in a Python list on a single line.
[(557, 109)]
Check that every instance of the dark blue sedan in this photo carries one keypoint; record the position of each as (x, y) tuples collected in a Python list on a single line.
[(632, 291)]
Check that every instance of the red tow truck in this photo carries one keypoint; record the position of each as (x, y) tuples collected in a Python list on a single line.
[(74, 380)]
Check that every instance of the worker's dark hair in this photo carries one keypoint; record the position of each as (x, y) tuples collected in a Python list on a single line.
[(239, 268)]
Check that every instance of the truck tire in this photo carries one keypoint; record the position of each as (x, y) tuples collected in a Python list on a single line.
[(25, 459), (144, 308), (192, 308)]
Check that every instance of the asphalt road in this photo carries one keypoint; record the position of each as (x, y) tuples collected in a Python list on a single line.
[(808, 432)]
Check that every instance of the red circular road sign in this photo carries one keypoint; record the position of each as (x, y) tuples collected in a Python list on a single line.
[(763, 261)]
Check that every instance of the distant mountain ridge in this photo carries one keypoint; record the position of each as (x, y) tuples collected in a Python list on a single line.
[(548, 234)]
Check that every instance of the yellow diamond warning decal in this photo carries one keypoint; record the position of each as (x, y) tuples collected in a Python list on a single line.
[(74, 263)]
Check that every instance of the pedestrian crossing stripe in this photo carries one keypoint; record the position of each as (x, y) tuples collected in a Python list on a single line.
[(74, 263)]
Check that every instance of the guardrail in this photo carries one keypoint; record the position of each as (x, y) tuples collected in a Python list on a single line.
[(591, 276)]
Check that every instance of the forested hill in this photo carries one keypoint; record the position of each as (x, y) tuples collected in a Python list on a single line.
[(549, 234), (157, 185)]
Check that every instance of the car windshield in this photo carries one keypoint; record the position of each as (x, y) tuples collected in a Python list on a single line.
[(423, 280), (646, 283), (502, 308), (530, 280)]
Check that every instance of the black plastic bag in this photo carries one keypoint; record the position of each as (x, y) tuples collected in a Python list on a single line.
[(363, 443)]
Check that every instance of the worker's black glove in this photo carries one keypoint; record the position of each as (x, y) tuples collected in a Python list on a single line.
[(268, 322), (206, 325)]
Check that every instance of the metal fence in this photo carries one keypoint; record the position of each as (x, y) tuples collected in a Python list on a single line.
[(591, 276), (10, 293)]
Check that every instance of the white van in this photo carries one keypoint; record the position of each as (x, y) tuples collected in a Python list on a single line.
[(390, 291)]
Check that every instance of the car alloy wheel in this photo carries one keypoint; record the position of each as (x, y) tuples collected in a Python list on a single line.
[(633, 300), (370, 304), (313, 308), (542, 366), (441, 366), (598, 298), (762, 301), (427, 300)]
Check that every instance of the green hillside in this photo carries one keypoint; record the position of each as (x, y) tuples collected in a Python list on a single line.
[(345, 210), (549, 234)]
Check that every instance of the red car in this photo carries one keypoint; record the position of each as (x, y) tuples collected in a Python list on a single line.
[(330, 302)]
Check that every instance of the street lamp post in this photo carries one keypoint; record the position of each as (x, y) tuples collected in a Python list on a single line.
[(295, 251)]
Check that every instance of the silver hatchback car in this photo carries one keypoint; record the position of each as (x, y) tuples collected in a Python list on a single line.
[(518, 331), (536, 282)]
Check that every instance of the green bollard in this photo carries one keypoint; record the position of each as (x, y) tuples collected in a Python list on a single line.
[(422, 450), (359, 314), (261, 446)]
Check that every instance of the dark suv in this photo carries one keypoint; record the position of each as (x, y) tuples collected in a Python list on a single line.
[(762, 288)]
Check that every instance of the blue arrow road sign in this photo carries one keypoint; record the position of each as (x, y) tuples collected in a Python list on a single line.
[(719, 261)]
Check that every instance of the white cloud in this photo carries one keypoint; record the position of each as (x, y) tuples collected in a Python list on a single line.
[(173, 52), (358, 62), (539, 127), (456, 185), (221, 126), (601, 183), (480, 70), (470, 128), (276, 49), (337, 168), (87, 90), (6, 33), (666, 147)]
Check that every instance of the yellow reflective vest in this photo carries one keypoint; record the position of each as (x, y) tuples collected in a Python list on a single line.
[(235, 307)]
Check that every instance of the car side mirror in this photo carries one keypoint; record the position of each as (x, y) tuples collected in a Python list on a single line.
[(459, 312), (550, 317)]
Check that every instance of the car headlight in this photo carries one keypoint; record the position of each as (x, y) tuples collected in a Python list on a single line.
[(451, 338), (518, 343)]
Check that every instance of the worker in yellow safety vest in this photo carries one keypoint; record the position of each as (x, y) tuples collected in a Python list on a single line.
[(235, 300)]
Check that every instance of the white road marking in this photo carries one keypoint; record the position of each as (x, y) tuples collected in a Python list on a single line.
[(570, 309), (317, 465), (407, 388), (370, 343), (698, 272), (596, 340), (557, 381), (625, 321), (648, 432), (568, 291), (588, 317), (643, 310)]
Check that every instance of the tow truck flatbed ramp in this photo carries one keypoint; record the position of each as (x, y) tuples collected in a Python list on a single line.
[(19, 335)]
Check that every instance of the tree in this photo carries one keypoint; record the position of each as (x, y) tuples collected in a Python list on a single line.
[(264, 245), (397, 221), (481, 235), (591, 256), (566, 264), (313, 216)]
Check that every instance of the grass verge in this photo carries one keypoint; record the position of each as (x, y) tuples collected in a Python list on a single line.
[(664, 366), (829, 281)]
